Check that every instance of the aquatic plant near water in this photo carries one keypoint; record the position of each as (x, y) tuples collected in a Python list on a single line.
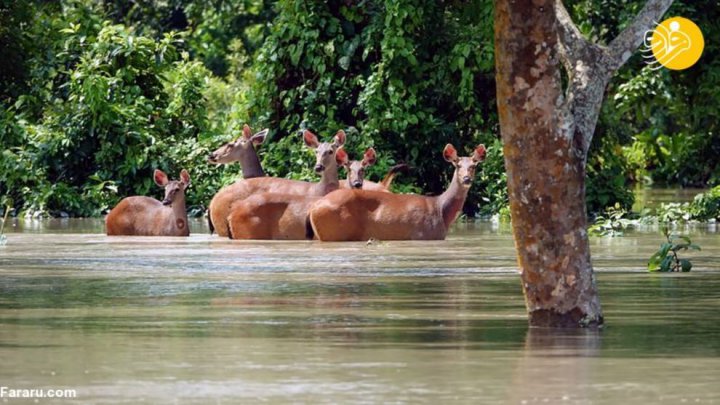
[(666, 259), (612, 223)]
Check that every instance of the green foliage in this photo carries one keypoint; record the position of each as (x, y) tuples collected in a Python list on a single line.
[(673, 212), (671, 117), (666, 258), (613, 222), (122, 106), (706, 205), (491, 182), (96, 94), (607, 182), (411, 76)]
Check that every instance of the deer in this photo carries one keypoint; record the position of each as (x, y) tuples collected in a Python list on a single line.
[(146, 216), (356, 171), (271, 216), (284, 216), (360, 215), (242, 150), (325, 165)]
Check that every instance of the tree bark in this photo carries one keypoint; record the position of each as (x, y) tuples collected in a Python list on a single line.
[(546, 134)]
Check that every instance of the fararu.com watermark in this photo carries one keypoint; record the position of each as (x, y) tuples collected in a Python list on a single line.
[(17, 393)]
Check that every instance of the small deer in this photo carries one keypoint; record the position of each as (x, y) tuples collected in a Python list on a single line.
[(360, 215), (356, 171), (242, 150), (146, 216), (325, 165)]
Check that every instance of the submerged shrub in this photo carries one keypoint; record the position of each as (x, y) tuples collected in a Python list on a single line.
[(666, 258), (706, 205)]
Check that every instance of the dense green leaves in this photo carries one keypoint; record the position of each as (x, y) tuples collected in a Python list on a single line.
[(116, 105), (666, 121), (94, 95)]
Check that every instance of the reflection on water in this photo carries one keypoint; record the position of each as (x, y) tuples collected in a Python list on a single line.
[(146, 320), (646, 197)]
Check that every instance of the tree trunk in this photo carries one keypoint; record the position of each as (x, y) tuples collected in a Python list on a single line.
[(546, 135)]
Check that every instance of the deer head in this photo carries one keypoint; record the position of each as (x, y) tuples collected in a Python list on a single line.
[(464, 166), (173, 188), (325, 151), (235, 151)]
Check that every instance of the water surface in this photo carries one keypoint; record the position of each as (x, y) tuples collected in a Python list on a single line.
[(205, 320)]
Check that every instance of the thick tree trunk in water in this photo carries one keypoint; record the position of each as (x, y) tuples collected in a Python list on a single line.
[(546, 135)]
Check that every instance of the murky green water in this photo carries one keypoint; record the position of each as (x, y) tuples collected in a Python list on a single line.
[(205, 320), (648, 197)]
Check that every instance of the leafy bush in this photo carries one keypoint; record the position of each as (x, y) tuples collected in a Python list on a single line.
[(612, 223), (706, 205), (607, 182), (491, 182), (127, 105), (666, 258), (666, 121), (411, 76), (94, 95), (673, 212)]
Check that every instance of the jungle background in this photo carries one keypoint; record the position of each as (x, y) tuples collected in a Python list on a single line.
[(94, 95)]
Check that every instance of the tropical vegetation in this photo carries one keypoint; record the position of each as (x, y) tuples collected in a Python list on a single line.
[(94, 95)]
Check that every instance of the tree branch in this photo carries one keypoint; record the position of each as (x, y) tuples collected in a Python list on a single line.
[(570, 39), (625, 44)]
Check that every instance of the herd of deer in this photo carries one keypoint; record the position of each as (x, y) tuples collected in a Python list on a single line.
[(260, 207)]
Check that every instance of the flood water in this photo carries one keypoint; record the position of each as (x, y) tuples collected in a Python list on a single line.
[(202, 320)]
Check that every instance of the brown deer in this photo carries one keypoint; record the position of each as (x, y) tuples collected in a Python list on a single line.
[(356, 215), (271, 216), (356, 171), (325, 164), (145, 216), (242, 150), (284, 216)]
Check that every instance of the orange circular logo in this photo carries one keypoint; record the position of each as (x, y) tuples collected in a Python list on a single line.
[(676, 43)]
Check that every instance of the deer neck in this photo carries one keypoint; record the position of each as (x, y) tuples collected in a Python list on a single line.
[(328, 180), (452, 200), (178, 206), (250, 164)]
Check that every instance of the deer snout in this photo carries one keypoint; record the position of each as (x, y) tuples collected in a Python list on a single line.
[(166, 202), (466, 180), (212, 158), (319, 168), (357, 184)]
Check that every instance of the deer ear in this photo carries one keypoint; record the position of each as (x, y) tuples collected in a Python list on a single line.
[(161, 179), (339, 138), (258, 138), (247, 133), (310, 139), (479, 153), (341, 157), (450, 154), (369, 158), (185, 177)]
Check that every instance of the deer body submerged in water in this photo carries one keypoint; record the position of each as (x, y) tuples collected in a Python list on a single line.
[(357, 215), (284, 216), (146, 216), (325, 165)]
